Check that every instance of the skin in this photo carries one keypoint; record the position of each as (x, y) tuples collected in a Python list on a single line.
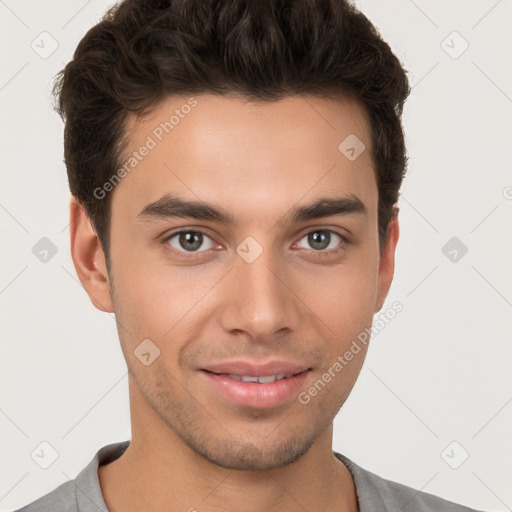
[(191, 447)]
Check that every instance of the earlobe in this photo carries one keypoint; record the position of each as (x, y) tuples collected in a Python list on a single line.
[(387, 261), (88, 258)]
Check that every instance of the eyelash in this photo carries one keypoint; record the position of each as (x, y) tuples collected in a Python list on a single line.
[(196, 254)]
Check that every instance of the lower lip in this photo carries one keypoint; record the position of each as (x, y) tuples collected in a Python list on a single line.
[(254, 394)]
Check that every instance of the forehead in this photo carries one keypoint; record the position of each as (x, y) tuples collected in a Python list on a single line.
[(244, 155)]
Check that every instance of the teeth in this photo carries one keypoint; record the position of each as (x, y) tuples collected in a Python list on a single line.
[(269, 378), (262, 380), (247, 378)]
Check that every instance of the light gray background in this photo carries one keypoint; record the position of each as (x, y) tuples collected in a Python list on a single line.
[(438, 373)]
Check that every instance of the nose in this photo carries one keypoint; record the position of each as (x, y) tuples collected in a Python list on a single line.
[(260, 299)]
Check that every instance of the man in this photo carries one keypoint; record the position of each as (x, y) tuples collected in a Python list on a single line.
[(234, 169)]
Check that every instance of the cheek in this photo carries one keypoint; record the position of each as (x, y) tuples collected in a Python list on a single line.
[(157, 300), (343, 297)]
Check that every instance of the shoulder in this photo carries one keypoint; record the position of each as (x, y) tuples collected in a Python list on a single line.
[(63, 498), (375, 492), (409, 499), (84, 492)]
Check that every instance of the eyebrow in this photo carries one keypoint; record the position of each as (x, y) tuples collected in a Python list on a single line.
[(171, 206)]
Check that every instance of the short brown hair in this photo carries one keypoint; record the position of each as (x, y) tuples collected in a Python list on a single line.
[(144, 50)]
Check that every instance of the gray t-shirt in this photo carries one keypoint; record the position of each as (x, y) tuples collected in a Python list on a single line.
[(375, 494)]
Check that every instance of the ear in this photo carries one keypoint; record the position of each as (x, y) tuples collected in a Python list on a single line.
[(88, 258), (387, 261)]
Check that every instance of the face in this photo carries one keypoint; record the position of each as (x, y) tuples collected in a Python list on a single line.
[(252, 274)]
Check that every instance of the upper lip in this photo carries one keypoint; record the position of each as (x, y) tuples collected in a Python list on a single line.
[(248, 368)]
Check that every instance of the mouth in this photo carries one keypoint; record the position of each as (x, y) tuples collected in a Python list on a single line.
[(256, 391), (262, 379)]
